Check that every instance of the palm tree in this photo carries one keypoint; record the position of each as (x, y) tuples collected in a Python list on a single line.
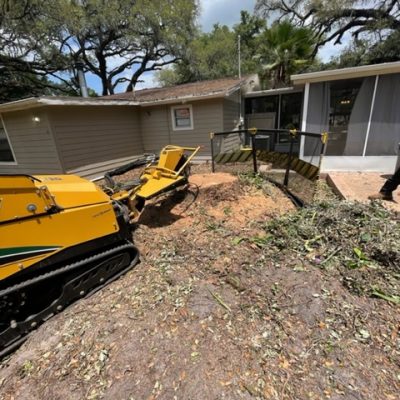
[(284, 50)]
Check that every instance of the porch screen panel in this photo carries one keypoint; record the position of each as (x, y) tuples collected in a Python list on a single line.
[(6, 154), (358, 122), (384, 134), (317, 114)]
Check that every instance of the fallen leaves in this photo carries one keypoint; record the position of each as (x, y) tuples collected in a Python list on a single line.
[(359, 242), (228, 306)]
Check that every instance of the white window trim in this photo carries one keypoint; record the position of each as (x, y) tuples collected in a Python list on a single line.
[(182, 128), (9, 143)]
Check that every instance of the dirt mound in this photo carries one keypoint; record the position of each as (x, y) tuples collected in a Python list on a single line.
[(212, 312), (207, 180), (217, 199)]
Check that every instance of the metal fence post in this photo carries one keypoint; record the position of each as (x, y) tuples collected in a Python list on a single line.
[(293, 133), (253, 132), (212, 151), (324, 140)]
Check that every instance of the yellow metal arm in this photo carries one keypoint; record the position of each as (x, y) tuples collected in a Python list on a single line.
[(171, 171)]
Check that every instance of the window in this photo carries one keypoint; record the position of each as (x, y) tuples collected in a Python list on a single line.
[(6, 153), (286, 107), (265, 104), (290, 115), (182, 117), (291, 110)]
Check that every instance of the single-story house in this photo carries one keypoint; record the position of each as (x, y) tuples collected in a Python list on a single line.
[(91, 135), (358, 107)]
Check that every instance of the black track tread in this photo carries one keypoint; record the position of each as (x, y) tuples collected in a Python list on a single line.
[(64, 269), (100, 256)]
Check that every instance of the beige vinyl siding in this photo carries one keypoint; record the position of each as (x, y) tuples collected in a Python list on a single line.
[(207, 117), (33, 144), (232, 111), (93, 135), (225, 144), (157, 130)]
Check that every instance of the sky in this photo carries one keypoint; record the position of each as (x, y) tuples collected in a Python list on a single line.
[(227, 12), (224, 12)]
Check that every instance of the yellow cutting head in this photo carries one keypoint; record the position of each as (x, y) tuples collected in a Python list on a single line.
[(171, 171)]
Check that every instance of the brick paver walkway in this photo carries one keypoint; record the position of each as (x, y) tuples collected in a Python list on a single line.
[(359, 185)]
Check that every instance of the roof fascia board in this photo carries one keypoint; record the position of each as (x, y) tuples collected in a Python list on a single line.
[(347, 73), (232, 90), (272, 92), (24, 104), (35, 102), (86, 102)]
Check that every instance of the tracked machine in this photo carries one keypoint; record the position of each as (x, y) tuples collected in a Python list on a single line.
[(63, 237)]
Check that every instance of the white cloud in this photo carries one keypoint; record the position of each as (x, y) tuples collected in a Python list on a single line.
[(224, 12)]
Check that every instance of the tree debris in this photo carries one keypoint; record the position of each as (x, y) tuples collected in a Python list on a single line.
[(237, 296)]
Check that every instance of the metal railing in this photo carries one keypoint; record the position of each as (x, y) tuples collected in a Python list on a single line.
[(249, 142)]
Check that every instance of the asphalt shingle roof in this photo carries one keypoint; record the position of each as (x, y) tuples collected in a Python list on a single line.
[(188, 90)]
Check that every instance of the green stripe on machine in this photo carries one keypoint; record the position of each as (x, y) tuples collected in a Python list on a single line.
[(14, 251)]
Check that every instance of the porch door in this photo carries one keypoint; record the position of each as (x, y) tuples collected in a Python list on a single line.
[(343, 96)]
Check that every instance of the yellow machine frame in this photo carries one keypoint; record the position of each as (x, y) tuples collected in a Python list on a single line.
[(62, 237), (155, 179), (45, 211)]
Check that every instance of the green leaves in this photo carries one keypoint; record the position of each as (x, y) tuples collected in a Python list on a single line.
[(359, 242), (391, 298), (116, 40), (214, 54), (360, 261), (284, 49)]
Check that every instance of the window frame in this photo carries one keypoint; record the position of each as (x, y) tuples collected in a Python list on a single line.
[(182, 128), (9, 143)]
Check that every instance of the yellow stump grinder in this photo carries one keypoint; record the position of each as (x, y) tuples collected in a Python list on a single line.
[(62, 237)]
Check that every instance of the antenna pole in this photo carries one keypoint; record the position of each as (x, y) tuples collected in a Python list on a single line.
[(239, 61)]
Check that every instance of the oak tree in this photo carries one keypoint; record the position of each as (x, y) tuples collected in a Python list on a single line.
[(116, 40), (330, 20)]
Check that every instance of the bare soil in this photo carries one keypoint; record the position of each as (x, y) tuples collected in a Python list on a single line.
[(210, 314)]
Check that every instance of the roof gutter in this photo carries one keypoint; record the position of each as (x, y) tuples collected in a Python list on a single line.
[(347, 73), (270, 92), (35, 102), (233, 89)]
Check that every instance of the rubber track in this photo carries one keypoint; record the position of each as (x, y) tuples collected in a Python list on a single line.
[(62, 270), (104, 256)]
